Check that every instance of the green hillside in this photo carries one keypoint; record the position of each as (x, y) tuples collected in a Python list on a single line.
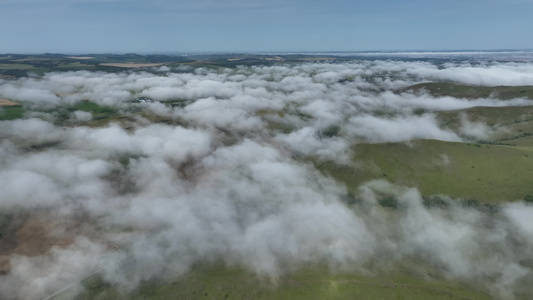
[(223, 283), (440, 89), (488, 173)]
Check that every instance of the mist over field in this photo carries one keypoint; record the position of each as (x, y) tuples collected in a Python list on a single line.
[(219, 168)]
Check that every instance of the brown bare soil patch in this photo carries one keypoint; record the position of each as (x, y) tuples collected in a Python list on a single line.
[(4, 264), (132, 65), (35, 235), (5, 102), (35, 238)]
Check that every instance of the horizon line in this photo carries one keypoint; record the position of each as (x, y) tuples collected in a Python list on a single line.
[(258, 52)]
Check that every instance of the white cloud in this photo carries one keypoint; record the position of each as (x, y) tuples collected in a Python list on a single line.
[(397, 129), (82, 115), (223, 186)]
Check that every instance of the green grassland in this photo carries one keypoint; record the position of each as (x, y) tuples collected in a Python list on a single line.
[(11, 112), (15, 66), (496, 169), (440, 89), (96, 109), (219, 282), (511, 125), (76, 66), (487, 173), (492, 116), (100, 113)]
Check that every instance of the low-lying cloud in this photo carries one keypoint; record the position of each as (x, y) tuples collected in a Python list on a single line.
[(223, 179)]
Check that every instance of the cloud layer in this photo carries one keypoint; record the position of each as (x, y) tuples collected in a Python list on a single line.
[(222, 178)]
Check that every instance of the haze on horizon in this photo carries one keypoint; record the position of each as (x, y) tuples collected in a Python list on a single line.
[(96, 26)]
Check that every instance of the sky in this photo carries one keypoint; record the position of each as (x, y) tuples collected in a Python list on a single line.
[(165, 26)]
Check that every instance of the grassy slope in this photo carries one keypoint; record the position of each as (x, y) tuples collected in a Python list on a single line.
[(471, 92), (497, 172), (14, 66), (313, 283), (488, 173), (498, 169), (11, 112), (513, 125)]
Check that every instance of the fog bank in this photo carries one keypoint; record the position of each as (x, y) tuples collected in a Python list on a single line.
[(221, 173)]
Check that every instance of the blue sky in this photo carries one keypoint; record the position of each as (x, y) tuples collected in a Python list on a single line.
[(164, 26)]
